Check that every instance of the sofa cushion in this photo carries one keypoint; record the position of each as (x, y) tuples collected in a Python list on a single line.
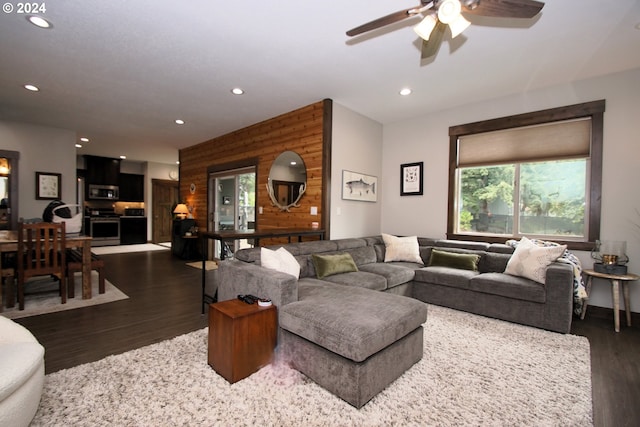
[(327, 265), (359, 279), (401, 249), (445, 276), (363, 255), (531, 260), (310, 247), (394, 274), (351, 243), (461, 244), (453, 260), (280, 260), (492, 262), (508, 286), (352, 322)]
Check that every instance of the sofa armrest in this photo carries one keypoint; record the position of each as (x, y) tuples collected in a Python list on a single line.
[(240, 278), (559, 290)]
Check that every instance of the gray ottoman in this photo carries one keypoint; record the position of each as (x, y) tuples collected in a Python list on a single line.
[(354, 342)]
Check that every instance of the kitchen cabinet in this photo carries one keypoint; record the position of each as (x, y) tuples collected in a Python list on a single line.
[(133, 230), (131, 187), (102, 170)]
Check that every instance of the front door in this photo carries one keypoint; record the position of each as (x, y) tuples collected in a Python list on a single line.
[(165, 195)]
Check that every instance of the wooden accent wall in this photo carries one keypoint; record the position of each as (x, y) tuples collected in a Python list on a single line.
[(307, 131)]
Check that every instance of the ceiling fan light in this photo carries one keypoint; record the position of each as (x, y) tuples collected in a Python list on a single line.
[(424, 28), (449, 10), (458, 25)]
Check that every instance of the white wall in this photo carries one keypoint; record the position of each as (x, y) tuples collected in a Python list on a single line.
[(357, 147), (42, 149), (425, 138)]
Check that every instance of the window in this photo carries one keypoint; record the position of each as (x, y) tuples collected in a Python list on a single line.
[(536, 174)]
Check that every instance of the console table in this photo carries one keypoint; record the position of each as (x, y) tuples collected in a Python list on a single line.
[(231, 235)]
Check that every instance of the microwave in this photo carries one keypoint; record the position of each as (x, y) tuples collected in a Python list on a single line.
[(104, 192)]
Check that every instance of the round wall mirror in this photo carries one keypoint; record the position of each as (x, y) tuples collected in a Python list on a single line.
[(287, 180)]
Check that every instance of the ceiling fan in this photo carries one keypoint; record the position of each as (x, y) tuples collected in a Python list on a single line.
[(440, 13)]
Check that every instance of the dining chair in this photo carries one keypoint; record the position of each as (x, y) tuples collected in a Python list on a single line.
[(41, 252), (8, 275)]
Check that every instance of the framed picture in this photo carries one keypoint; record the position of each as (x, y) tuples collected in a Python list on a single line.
[(411, 176), (358, 186), (48, 186)]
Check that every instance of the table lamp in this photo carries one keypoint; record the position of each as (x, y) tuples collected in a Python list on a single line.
[(181, 211)]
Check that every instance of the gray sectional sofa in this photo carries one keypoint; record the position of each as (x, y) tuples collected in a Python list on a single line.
[(355, 332)]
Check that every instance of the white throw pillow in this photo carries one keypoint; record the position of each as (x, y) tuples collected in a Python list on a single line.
[(280, 260), (530, 260), (401, 249)]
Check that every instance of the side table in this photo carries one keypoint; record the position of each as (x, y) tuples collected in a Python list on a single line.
[(615, 293), (241, 338)]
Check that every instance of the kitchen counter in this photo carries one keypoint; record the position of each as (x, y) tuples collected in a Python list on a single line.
[(133, 230)]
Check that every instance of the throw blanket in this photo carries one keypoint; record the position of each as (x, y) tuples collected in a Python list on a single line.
[(579, 291)]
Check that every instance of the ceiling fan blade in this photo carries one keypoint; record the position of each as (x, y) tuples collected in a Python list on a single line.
[(385, 20), (505, 8), (430, 47)]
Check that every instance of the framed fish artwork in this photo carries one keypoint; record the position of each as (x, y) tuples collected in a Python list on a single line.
[(411, 179), (360, 187)]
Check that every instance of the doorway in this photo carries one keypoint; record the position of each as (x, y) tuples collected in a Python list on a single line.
[(165, 195), (232, 204), (9, 189)]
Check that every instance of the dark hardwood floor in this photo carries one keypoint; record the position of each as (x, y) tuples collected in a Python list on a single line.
[(164, 302)]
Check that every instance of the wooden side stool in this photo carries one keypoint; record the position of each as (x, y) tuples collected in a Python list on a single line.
[(74, 264), (615, 280)]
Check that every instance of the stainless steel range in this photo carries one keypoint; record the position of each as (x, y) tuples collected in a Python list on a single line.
[(104, 227)]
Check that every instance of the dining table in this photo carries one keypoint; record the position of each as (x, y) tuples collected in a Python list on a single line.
[(9, 243)]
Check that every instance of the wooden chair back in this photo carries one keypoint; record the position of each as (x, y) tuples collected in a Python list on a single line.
[(41, 252)]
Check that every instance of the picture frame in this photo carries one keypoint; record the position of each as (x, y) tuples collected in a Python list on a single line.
[(48, 186), (360, 187), (411, 179)]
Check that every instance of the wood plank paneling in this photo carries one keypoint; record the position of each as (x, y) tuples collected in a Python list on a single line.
[(304, 131)]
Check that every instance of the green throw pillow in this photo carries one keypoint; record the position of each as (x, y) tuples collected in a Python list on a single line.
[(454, 260), (326, 265)]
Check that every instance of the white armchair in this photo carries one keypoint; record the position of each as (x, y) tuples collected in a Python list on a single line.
[(21, 374)]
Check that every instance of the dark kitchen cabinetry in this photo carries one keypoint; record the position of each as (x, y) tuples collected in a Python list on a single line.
[(102, 170), (131, 187), (133, 230)]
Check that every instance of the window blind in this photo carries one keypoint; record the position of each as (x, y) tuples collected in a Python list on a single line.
[(555, 140)]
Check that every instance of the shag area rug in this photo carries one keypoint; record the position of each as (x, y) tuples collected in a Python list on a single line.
[(475, 371), (42, 297)]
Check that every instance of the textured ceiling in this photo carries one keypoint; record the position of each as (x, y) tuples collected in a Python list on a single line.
[(120, 72)]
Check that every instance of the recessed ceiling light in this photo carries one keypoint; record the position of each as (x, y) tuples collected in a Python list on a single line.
[(84, 139), (32, 88), (237, 91), (123, 157), (405, 91), (39, 21), (78, 145), (179, 121)]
